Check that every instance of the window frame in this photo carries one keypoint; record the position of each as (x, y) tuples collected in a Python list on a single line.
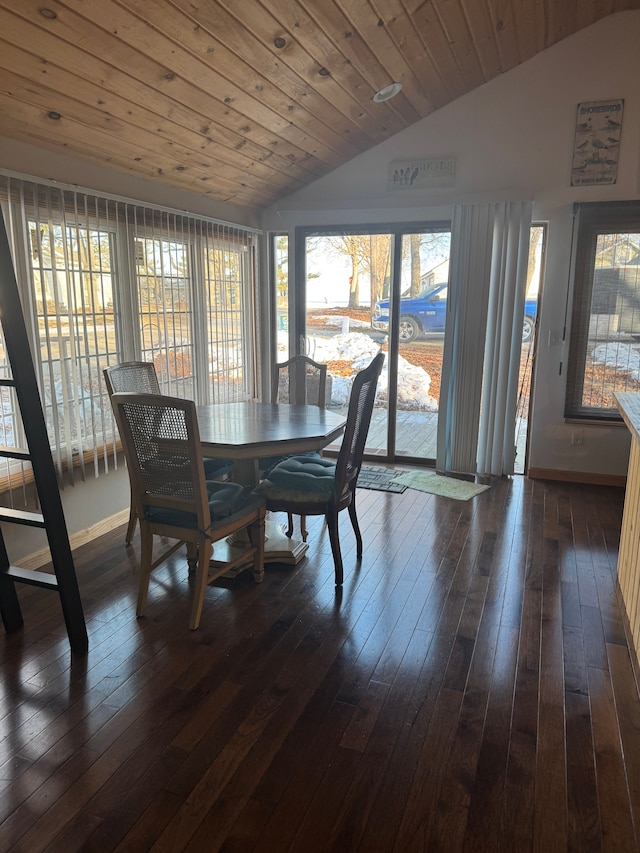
[(592, 220)]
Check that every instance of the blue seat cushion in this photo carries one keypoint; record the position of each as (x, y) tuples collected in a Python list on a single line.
[(269, 463), (310, 476), (224, 500)]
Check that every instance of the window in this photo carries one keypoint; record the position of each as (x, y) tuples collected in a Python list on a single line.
[(228, 266), (604, 354), (72, 280), (163, 276), (103, 280), (280, 275)]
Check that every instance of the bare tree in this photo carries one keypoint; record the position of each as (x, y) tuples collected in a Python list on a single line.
[(370, 255), (378, 264), (534, 241), (415, 241), (356, 248)]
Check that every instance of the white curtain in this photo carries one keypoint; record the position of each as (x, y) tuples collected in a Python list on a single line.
[(467, 298), (489, 256), (496, 440)]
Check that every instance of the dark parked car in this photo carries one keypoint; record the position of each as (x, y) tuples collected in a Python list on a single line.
[(426, 312)]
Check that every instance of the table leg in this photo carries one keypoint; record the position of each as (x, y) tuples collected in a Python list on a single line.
[(279, 548)]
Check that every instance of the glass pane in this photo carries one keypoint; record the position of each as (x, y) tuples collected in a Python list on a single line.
[(228, 278), (11, 434), (281, 265), (346, 274), (612, 360), (423, 308), (163, 274), (534, 277), (73, 283)]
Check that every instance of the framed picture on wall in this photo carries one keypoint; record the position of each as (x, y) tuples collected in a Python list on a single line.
[(421, 174), (597, 143)]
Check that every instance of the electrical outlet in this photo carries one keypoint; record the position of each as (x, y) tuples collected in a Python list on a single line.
[(577, 437)]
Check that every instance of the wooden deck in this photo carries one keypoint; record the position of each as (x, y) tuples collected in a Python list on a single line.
[(417, 435), (470, 689)]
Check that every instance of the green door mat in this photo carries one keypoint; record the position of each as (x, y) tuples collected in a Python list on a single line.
[(435, 484)]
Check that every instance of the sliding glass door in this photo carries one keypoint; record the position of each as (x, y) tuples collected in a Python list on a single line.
[(367, 290), (363, 290)]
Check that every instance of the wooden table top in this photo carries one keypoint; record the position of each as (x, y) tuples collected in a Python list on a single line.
[(251, 430), (629, 405)]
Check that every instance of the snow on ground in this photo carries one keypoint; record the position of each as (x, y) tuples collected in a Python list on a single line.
[(414, 382), (358, 350), (618, 354)]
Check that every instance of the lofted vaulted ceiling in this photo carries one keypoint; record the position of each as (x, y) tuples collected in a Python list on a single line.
[(247, 101)]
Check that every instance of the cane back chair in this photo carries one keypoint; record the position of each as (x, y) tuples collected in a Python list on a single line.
[(140, 377), (311, 485), (161, 442)]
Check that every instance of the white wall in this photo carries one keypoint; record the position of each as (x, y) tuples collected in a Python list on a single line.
[(88, 509), (512, 139)]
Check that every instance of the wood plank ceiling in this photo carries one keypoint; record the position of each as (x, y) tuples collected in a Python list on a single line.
[(247, 101)]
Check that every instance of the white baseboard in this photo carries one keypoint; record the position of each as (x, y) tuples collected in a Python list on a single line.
[(43, 556)]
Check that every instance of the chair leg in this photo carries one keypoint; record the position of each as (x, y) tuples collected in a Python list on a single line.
[(131, 526), (146, 556), (303, 526), (256, 535), (334, 539), (192, 556), (355, 525), (202, 576)]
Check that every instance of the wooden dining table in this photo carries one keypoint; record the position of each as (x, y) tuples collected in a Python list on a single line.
[(248, 431)]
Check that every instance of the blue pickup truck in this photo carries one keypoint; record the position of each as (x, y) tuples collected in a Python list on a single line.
[(426, 312)]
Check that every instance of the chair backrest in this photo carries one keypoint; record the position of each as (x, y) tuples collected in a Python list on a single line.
[(361, 400), (299, 380), (137, 376), (161, 443)]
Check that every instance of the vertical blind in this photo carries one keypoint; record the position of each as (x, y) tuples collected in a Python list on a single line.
[(461, 386), (476, 420), (509, 262), (104, 280)]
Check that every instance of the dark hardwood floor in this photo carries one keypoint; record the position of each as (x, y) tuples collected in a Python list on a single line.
[(471, 689)]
